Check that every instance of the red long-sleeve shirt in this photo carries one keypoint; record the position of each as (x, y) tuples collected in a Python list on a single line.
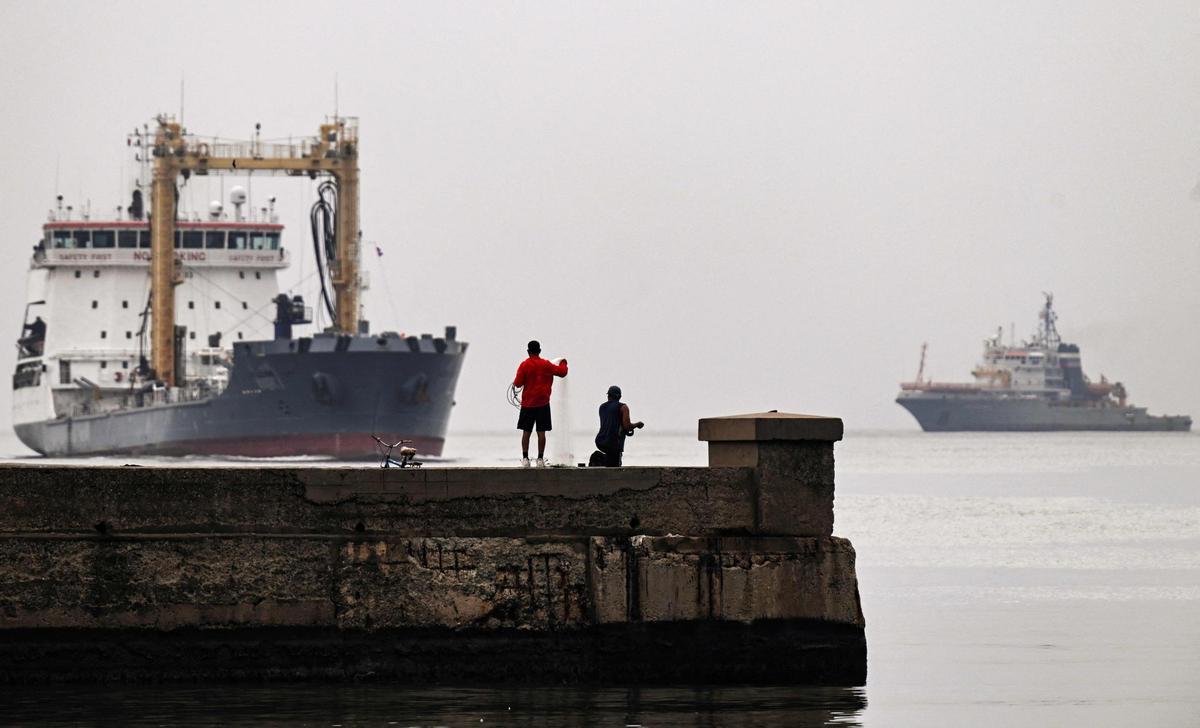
[(537, 375)]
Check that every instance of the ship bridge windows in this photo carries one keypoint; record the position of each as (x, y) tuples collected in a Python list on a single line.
[(214, 239), (193, 239), (260, 240), (127, 238), (237, 240), (103, 239), (64, 239), (143, 238)]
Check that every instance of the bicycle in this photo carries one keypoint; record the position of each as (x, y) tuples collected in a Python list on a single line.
[(406, 454)]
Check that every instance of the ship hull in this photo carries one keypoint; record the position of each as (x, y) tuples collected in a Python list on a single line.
[(964, 413), (285, 400)]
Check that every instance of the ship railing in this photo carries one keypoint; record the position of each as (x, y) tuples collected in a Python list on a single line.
[(300, 148), (193, 391), (261, 150), (941, 387), (145, 397)]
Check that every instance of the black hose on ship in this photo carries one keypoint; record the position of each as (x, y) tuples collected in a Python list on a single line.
[(324, 230)]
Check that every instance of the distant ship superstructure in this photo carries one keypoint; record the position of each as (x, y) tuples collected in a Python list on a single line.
[(1037, 385)]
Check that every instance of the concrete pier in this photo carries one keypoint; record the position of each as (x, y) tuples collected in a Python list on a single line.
[(726, 573)]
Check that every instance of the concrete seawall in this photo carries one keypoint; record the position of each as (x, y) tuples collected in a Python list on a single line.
[(728, 573)]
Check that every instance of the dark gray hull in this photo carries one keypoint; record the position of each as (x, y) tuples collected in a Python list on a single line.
[(324, 396), (955, 412)]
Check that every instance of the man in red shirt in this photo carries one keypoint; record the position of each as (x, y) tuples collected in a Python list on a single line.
[(536, 377)]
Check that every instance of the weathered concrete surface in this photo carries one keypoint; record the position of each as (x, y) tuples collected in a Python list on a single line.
[(416, 502), (166, 582), (424, 599), (740, 579), (454, 574)]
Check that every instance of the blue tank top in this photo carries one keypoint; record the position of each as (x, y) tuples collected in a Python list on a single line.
[(611, 437)]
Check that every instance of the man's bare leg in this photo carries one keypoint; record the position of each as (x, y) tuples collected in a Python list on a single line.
[(525, 444), (541, 444)]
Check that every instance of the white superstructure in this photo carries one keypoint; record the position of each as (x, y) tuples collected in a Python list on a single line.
[(89, 284)]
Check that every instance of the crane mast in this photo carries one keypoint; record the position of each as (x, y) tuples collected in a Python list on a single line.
[(333, 152)]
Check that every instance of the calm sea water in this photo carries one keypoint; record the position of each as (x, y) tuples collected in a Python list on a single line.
[(1007, 580)]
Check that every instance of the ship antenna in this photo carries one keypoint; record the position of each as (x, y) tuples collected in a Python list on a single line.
[(1049, 330), (921, 366)]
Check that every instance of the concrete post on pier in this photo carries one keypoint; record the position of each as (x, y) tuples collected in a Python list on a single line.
[(792, 458)]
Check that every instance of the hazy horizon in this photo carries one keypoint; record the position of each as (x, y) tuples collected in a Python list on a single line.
[(722, 208)]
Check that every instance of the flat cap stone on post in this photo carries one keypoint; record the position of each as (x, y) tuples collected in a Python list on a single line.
[(773, 425), (792, 457)]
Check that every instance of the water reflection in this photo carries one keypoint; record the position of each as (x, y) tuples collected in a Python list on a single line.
[(384, 705)]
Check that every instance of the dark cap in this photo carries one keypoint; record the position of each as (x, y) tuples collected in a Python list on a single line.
[(614, 391), (534, 347)]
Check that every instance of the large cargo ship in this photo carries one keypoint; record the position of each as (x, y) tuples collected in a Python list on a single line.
[(1034, 385), (165, 333)]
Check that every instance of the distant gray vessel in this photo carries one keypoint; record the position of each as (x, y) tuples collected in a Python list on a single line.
[(1038, 385)]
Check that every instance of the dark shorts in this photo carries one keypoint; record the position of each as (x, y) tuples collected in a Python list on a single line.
[(531, 416)]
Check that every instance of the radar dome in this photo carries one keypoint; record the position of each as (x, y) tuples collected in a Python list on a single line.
[(238, 195)]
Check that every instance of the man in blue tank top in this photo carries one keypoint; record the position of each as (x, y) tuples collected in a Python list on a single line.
[(615, 426)]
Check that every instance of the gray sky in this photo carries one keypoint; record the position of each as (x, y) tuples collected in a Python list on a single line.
[(721, 207)]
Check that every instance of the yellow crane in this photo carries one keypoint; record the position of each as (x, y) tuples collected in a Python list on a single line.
[(333, 152)]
